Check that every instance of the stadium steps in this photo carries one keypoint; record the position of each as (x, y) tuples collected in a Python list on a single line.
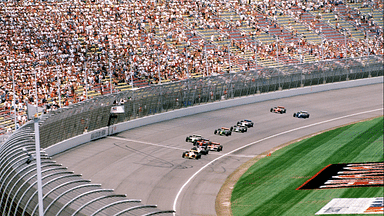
[(276, 32), (260, 36), (300, 28), (364, 26), (232, 17), (328, 32), (309, 58), (330, 18), (206, 36), (377, 15)]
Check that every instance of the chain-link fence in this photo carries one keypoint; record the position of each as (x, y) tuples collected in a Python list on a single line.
[(95, 113)]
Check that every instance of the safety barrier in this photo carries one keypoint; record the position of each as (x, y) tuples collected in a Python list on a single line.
[(138, 122), (94, 114)]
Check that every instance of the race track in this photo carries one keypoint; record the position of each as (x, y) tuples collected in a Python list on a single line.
[(145, 163)]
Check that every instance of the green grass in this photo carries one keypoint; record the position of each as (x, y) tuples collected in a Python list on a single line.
[(269, 186)]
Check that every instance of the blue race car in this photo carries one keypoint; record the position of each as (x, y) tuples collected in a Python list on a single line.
[(301, 114)]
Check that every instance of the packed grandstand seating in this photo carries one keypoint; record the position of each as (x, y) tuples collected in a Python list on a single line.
[(84, 48)]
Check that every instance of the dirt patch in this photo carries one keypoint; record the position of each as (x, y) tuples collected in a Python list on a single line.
[(223, 198)]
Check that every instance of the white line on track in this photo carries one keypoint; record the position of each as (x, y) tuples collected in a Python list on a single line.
[(146, 143), (171, 147), (266, 138)]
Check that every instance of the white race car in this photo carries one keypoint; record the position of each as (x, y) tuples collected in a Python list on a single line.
[(193, 138), (239, 128), (245, 122)]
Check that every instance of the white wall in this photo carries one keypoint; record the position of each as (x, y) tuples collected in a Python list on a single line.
[(77, 140)]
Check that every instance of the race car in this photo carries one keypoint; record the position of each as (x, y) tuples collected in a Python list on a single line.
[(301, 114), (202, 143), (191, 154), (245, 122), (209, 145), (279, 109), (201, 149), (239, 128), (202, 140), (214, 146), (193, 138), (223, 131)]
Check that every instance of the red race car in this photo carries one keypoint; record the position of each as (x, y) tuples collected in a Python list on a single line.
[(209, 145), (279, 109)]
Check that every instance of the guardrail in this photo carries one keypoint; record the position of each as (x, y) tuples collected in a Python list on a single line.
[(62, 188), (94, 114)]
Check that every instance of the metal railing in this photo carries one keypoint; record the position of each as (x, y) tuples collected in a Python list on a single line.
[(93, 114)]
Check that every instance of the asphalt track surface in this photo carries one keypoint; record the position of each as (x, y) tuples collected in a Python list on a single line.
[(145, 163)]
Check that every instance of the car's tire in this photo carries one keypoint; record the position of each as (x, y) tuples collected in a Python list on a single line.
[(294, 114), (231, 128), (220, 148), (271, 109), (215, 132), (186, 139), (183, 155)]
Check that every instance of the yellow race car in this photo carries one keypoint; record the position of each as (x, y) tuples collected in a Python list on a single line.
[(192, 154)]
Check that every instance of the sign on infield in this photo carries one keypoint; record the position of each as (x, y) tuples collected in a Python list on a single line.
[(353, 206)]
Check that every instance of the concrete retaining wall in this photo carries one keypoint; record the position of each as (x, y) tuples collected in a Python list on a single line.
[(77, 140)]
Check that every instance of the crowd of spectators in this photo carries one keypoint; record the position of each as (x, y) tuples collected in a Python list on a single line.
[(67, 46)]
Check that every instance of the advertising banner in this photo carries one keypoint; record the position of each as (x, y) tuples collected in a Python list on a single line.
[(117, 109), (353, 206)]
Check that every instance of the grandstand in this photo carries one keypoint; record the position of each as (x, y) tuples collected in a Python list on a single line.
[(84, 49)]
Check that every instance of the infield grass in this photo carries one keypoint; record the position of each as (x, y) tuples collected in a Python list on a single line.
[(269, 186)]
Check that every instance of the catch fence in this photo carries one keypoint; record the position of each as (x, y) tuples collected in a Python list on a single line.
[(93, 114)]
